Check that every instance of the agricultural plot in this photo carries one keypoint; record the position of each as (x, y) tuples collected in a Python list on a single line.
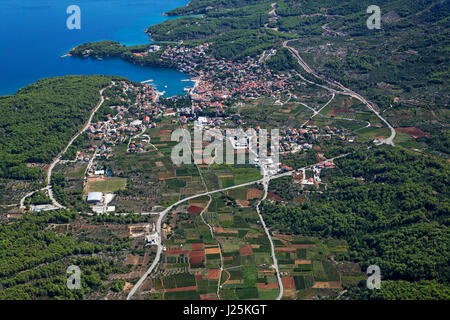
[(406, 140), (153, 178), (368, 134), (245, 248), (190, 264), (307, 265), (225, 176)]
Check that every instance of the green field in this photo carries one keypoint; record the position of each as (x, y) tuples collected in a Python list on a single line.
[(108, 185)]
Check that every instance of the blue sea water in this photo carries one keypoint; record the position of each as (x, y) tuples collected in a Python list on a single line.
[(34, 36)]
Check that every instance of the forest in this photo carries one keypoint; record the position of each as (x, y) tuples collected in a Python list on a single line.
[(39, 120), (391, 205), (33, 259), (113, 49)]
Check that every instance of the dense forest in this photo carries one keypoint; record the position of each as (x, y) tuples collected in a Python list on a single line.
[(33, 260), (113, 49), (392, 206), (39, 120)]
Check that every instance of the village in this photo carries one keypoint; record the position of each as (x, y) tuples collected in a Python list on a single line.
[(219, 83), (218, 86)]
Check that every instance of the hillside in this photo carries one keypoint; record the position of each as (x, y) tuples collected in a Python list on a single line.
[(39, 120)]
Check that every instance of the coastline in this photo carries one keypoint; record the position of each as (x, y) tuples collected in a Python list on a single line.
[(52, 58), (138, 62)]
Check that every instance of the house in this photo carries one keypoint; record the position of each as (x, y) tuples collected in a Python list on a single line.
[(169, 113)]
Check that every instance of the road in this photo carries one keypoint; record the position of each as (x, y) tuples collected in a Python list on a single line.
[(317, 112), (163, 214), (340, 89), (264, 181), (57, 159)]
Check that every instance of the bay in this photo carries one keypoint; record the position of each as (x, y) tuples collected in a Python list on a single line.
[(34, 36)]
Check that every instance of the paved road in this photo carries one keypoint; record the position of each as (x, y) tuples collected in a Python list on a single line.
[(163, 214), (341, 90), (266, 181), (58, 158)]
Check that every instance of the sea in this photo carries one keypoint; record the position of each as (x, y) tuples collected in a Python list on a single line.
[(34, 35)]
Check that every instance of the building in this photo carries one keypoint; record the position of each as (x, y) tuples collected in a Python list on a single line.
[(152, 239), (153, 48), (239, 143), (95, 197), (43, 207)]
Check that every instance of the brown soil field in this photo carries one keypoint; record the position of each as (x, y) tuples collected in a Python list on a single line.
[(213, 274), (212, 251), (198, 259), (222, 230), (127, 287), (288, 282), (175, 251), (302, 262), (246, 250), (194, 209), (132, 260), (335, 284), (273, 196), (225, 176), (289, 293), (413, 132), (254, 194), (321, 285)]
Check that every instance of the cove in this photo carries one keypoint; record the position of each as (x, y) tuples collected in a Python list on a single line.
[(32, 45)]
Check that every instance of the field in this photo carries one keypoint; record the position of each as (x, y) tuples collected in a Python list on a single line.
[(106, 185), (307, 265), (193, 257), (153, 178)]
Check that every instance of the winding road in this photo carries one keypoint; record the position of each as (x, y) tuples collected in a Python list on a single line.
[(264, 181), (163, 214), (340, 89), (57, 159)]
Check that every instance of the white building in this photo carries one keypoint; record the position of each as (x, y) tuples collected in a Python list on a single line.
[(152, 239), (95, 197), (239, 143)]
